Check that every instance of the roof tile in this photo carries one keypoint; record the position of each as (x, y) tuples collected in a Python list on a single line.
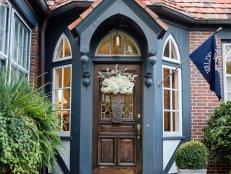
[(214, 9)]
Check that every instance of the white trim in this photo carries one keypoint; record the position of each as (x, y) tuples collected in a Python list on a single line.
[(225, 75), (62, 39), (173, 133), (171, 39), (54, 88)]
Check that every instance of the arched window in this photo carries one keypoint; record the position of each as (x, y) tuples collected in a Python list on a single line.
[(118, 43), (171, 52), (61, 93), (62, 49), (172, 102)]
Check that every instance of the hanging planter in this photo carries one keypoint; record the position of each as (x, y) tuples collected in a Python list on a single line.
[(117, 83), (117, 102)]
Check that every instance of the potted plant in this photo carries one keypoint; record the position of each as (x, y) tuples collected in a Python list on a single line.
[(191, 157), (117, 83)]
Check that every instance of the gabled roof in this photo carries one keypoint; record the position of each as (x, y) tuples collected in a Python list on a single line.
[(196, 9), (160, 28)]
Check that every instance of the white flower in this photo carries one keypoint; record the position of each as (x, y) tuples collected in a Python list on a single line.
[(116, 81)]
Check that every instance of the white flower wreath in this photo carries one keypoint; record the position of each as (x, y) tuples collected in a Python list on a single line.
[(117, 81)]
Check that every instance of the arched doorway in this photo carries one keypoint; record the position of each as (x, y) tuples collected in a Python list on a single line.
[(117, 146)]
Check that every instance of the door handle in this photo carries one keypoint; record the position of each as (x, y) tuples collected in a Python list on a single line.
[(138, 131)]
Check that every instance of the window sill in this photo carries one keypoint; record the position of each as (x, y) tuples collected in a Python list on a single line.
[(65, 135), (173, 138)]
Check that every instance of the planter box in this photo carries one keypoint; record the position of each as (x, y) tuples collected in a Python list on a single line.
[(187, 171)]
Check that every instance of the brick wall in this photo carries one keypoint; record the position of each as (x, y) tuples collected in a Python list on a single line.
[(35, 57), (203, 101)]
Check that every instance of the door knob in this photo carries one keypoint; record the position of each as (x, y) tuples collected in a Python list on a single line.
[(138, 116), (138, 131)]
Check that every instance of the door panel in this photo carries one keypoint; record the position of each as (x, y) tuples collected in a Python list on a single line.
[(117, 146)]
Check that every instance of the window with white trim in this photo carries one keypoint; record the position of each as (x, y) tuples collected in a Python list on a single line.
[(14, 41), (63, 49), (226, 53), (62, 95), (20, 47), (62, 84), (172, 99)]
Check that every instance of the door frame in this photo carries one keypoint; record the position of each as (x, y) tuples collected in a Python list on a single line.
[(136, 101)]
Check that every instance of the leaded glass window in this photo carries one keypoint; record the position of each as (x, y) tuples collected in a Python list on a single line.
[(106, 107)]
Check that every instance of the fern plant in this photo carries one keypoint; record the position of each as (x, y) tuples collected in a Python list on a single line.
[(28, 128)]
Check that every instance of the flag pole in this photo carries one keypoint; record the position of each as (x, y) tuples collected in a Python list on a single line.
[(160, 83)]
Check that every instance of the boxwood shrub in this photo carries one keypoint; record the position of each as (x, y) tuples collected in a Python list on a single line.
[(217, 136), (192, 155)]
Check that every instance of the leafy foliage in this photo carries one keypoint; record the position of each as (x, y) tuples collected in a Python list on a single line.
[(28, 128), (192, 155), (217, 136)]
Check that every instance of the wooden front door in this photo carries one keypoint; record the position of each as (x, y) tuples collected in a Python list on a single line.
[(117, 146)]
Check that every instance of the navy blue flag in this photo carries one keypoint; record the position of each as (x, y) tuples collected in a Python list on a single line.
[(206, 61)]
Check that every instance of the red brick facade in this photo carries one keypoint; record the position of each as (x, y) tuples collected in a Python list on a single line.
[(35, 56), (203, 101)]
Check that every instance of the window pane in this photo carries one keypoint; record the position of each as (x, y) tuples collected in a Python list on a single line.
[(130, 47), (166, 50), (118, 43), (166, 99), (4, 13), (228, 67), (66, 120), (67, 77), (59, 99), (167, 81), (67, 48), (175, 121), (228, 80), (58, 78), (66, 99), (167, 122), (229, 96), (175, 100), (21, 44), (104, 47), (60, 51), (175, 80), (173, 51), (227, 52)]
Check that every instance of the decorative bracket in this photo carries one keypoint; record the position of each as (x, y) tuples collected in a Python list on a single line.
[(86, 74), (151, 61)]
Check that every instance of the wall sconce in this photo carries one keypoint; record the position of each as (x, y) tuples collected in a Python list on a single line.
[(117, 39), (86, 75), (150, 68)]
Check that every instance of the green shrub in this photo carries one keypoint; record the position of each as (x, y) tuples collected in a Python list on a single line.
[(28, 128), (217, 136), (192, 155)]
